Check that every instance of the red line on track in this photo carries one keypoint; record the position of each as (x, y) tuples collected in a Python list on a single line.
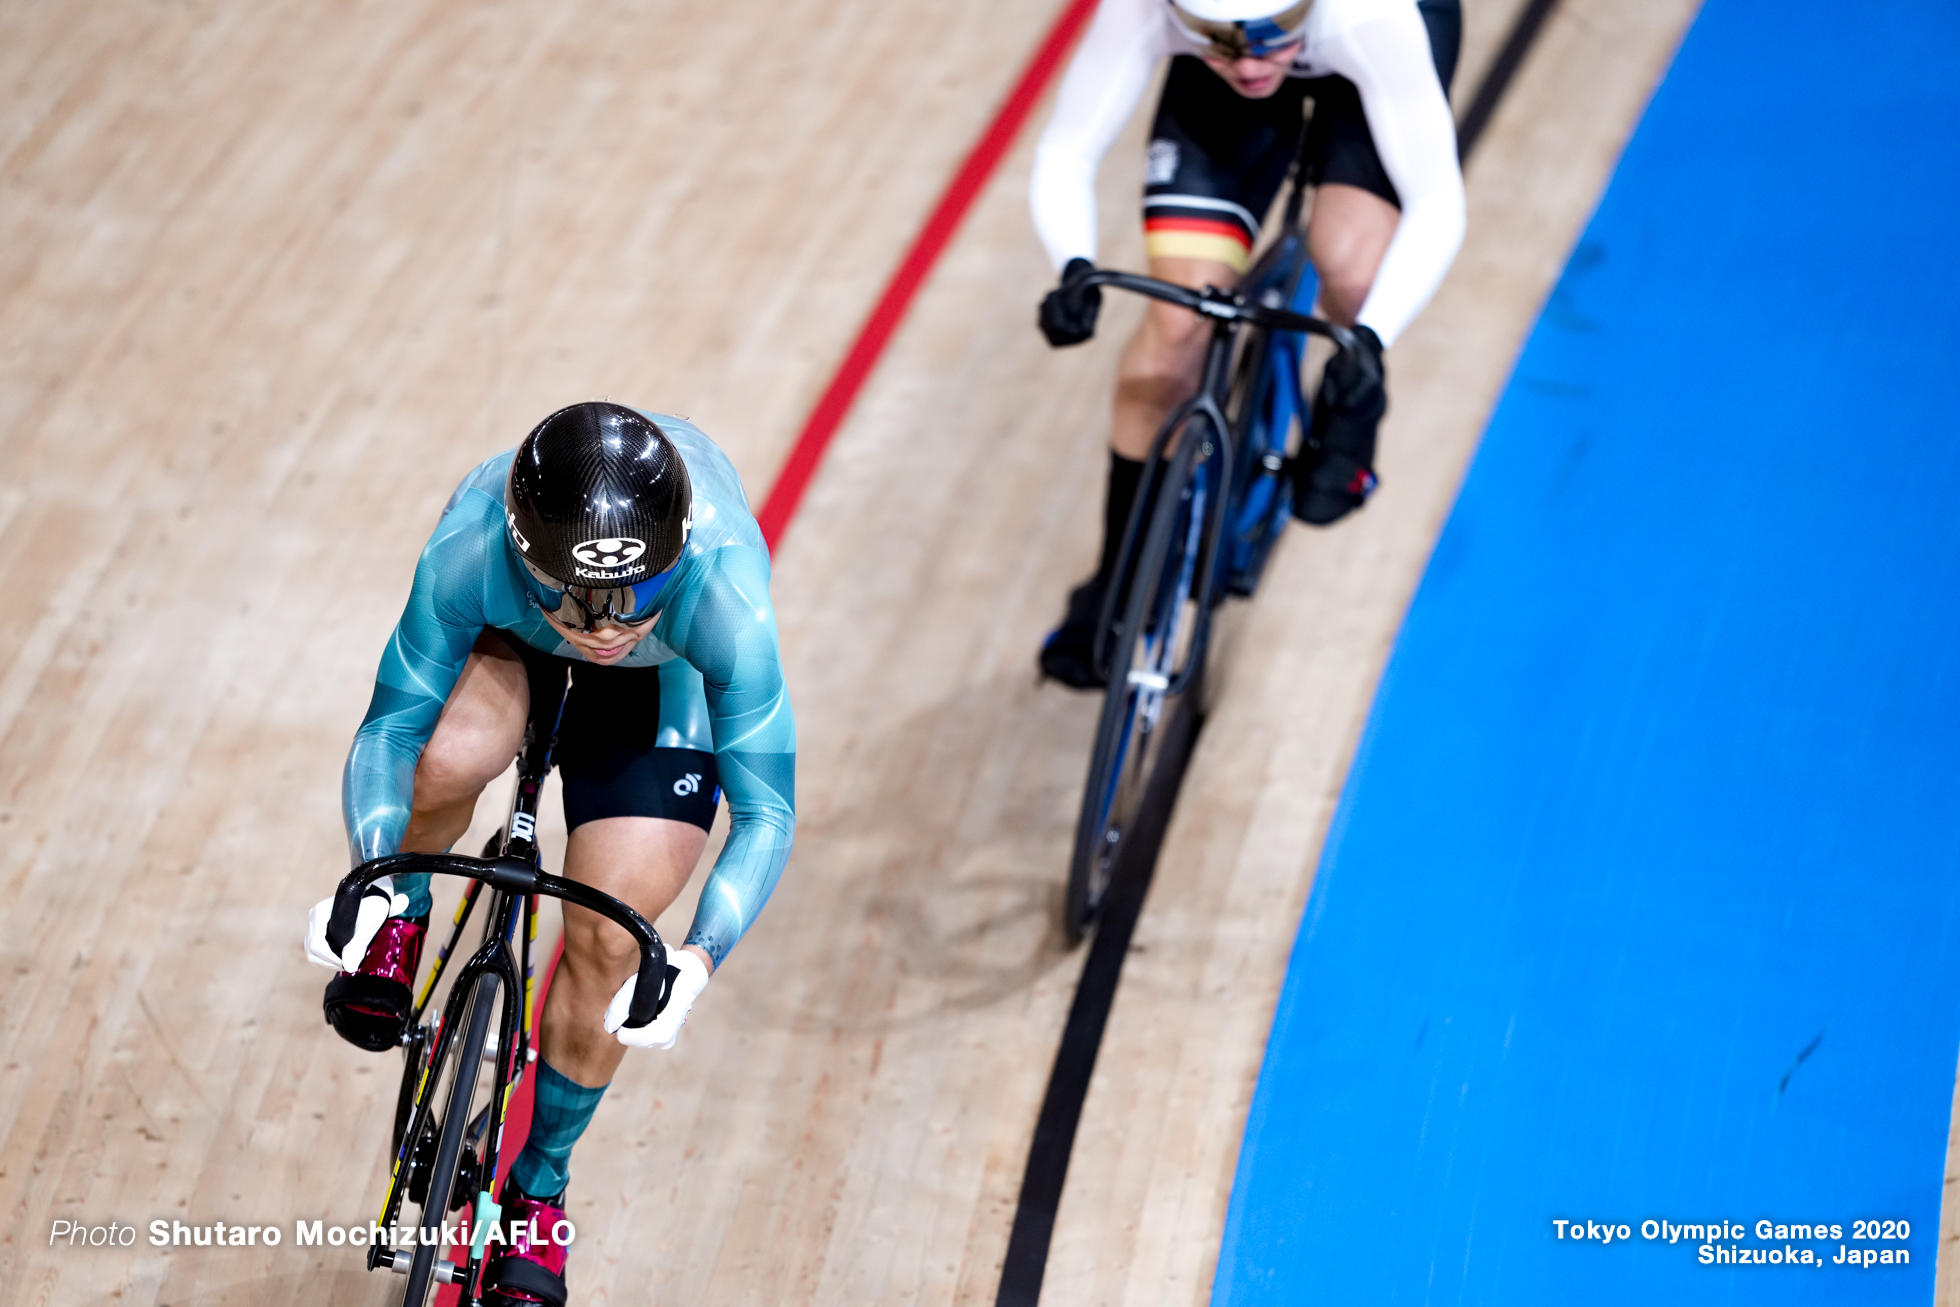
[(931, 242)]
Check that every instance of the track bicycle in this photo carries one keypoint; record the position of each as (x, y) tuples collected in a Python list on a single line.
[(447, 1161), (1202, 527)]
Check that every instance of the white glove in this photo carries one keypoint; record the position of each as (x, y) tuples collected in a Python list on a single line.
[(663, 1030), (377, 905)]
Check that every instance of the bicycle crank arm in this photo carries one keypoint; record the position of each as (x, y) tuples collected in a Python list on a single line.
[(490, 1051), (397, 1260)]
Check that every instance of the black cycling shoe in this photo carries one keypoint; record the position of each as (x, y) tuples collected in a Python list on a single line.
[(1326, 492), (1068, 654)]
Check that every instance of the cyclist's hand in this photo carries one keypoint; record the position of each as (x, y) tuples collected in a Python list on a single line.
[(1068, 312), (1352, 383), (1336, 474), (663, 1030), (377, 905)]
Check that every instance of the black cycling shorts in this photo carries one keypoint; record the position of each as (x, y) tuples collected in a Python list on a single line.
[(1217, 159), (607, 755)]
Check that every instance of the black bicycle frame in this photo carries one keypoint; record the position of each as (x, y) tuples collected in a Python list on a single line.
[(516, 880), (1228, 310)]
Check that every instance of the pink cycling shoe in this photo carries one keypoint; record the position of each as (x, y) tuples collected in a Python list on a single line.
[(370, 1008), (526, 1272)]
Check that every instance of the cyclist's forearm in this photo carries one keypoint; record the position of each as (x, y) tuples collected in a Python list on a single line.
[(1417, 260), (376, 790), (419, 667), (755, 737), (1062, 198), (1409, 119), (743, 878), (377, 786)]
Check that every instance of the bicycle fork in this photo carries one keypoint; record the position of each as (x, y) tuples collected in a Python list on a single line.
[(1201, 406)]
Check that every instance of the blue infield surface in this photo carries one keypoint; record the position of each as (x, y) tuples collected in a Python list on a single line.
[(1643, 902)]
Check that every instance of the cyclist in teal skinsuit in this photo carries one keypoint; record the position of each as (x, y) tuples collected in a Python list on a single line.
[(676, 688)]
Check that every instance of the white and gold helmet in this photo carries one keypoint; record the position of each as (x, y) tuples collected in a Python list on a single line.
[(1239, 29)]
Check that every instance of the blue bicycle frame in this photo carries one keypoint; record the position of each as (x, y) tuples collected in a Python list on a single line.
[(1262, 496)]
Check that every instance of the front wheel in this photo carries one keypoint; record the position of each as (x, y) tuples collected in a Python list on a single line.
[(468, 1071), (1154, 650)]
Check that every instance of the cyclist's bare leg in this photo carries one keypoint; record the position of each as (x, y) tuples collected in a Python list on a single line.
[(644, 862), (1164, 360), (480, 731), (1346, 238)]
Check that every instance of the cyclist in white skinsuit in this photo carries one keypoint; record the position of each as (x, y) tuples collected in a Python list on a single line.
[(1387, 219)]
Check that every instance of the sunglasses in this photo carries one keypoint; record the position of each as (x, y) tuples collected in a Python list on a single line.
[(1253, 38), (594, 606)]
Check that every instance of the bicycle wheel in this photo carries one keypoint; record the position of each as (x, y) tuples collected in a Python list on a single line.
[(1153, 641), (468, 1063)]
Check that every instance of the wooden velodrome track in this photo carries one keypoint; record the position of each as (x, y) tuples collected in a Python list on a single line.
[(272, 277)]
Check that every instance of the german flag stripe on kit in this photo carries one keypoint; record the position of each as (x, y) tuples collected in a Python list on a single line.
[(1170, 233)]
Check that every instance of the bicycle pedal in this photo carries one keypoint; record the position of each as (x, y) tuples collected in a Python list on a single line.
[(469, 1180)]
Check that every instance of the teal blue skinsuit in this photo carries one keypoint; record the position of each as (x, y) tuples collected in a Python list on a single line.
[(721, 680)]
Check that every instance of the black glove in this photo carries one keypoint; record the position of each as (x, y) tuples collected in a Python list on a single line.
[(1068, 312), (1352, 383), (1336, 473)]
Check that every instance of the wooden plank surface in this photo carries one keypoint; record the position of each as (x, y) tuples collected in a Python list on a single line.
[(275, 276)]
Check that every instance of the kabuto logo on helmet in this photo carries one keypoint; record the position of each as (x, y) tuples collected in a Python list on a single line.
[(596, 497), (609, 553)]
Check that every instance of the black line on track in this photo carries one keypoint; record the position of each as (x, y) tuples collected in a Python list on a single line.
[(1497, 79), (1026, 1261), (1075, 1061)]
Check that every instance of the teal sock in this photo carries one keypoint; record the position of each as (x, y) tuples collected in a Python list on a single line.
[(562, 1111)]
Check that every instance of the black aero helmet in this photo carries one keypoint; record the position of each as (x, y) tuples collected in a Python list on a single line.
[(598, 498)]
